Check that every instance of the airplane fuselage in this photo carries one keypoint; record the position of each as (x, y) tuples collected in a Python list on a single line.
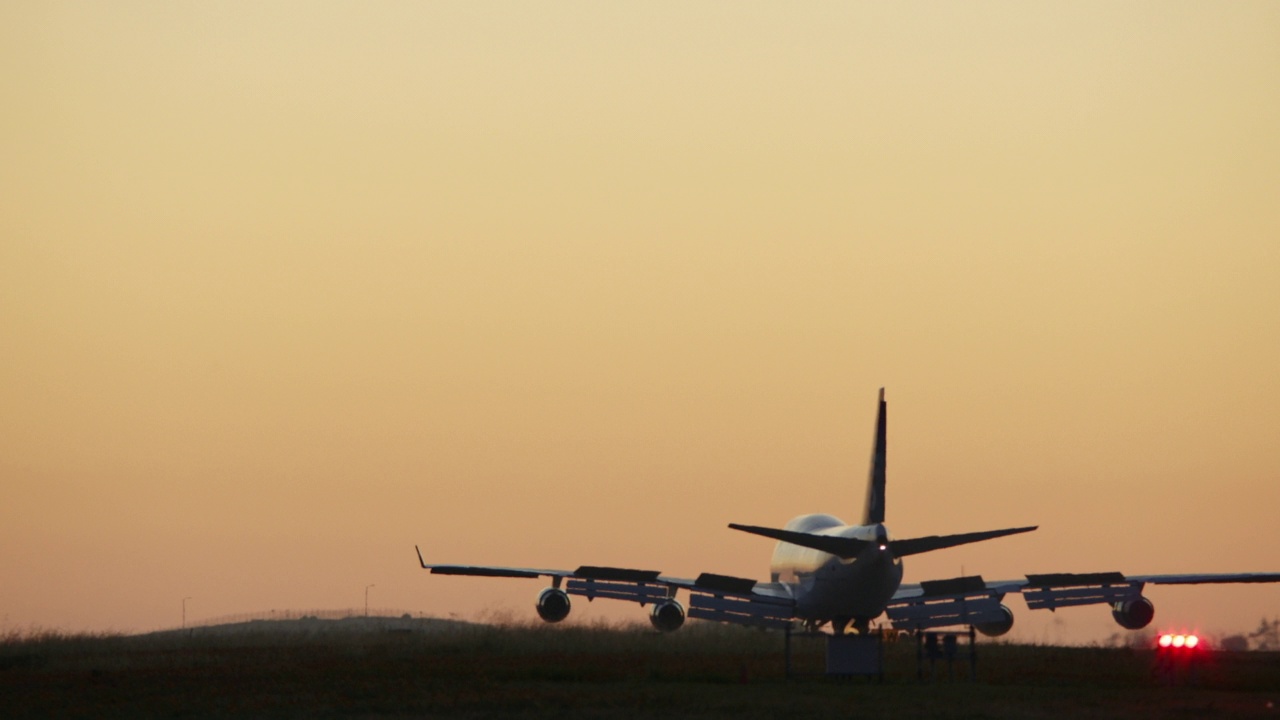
[(828, 587)]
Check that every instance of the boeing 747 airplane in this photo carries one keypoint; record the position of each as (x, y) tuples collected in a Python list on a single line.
[(825, 571)]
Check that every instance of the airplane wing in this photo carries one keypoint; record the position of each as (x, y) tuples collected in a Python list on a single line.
[(711, 597), (971, 600), (1211, 578), (1123, 593), (490, 571), (1032, 583)]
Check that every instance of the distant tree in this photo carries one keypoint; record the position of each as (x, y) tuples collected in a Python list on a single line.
[(1267, 636), (1234, 643), (1131, 639), (1144, 638)]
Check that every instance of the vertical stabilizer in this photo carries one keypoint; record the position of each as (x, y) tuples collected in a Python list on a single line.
[(873, 510)]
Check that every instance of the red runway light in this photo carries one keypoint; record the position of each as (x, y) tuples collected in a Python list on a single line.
[(1174, 641)]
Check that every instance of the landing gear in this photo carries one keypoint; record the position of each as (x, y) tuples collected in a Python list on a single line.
[(838, 625), (862, 625)]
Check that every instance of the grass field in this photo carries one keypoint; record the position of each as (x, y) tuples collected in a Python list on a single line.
[(424, 668)]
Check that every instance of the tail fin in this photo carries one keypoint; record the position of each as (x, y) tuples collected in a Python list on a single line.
[(873, 509)]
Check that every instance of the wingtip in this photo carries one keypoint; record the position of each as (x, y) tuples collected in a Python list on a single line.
[(421, 562)]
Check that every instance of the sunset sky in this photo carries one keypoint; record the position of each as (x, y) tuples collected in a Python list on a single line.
[(287, 288)]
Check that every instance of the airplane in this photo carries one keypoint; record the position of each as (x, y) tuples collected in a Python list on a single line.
[(825, 571)]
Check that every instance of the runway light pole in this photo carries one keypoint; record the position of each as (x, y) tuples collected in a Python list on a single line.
[(366, 600), (184, 612)]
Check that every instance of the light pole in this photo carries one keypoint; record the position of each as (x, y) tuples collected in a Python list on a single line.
[(366, 599), (184, 612)]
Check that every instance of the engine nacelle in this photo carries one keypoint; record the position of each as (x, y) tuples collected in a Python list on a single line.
[(1133, 614), (667, 615), (997, 627), (553, 605)]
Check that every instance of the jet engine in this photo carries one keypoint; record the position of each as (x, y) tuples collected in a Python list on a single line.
[(667, 615), (553, 605), (1133, 614), (997, 627)]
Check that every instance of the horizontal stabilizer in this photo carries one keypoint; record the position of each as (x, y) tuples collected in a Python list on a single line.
[(844, 547), (915, 546), (838, 546)]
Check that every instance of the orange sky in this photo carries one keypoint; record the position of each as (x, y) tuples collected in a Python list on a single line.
[(286, 288)]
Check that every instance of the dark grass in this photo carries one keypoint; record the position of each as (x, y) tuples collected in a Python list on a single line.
[(440, 669)]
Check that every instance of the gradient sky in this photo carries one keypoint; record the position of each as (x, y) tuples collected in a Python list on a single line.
[(286, 288)]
